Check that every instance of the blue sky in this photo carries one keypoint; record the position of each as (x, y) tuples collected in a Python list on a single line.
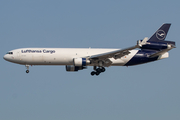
[(148, 91)]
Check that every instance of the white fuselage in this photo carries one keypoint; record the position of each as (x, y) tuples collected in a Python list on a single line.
[(76, 59), (60, 56)]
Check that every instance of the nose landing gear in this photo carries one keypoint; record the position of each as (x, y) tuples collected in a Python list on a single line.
[(27, 71), (27, 67), (97, 71)]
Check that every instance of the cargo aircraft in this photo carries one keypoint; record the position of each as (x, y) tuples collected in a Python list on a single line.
[(74, 59)]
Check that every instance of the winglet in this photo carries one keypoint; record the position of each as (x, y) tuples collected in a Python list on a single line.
[(161, 33)]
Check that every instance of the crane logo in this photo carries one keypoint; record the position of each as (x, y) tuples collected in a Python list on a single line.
[(160, 34)]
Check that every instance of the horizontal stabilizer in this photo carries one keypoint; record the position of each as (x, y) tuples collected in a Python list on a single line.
[(162, 51)]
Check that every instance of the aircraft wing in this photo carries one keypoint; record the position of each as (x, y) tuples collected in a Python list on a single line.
[(118, 53), (103, 59), (114, 54)]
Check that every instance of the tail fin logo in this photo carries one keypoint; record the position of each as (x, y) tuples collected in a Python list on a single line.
[(160, 34)]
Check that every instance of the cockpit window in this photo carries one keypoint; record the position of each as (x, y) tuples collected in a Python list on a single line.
[(9, 53)]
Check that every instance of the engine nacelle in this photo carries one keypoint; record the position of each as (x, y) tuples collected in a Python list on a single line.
[(155, 45), (74, 68), (80, 61)]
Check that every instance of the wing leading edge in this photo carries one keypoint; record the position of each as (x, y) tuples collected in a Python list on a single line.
[(115, 54)]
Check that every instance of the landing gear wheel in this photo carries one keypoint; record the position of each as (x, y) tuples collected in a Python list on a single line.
[(98, 70), (97, 73), (27, 71), (103, 69), (93, 73)]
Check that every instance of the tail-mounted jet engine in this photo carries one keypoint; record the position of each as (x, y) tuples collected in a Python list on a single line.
[(160, 45)]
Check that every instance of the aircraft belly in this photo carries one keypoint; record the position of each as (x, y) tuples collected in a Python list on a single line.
[(56, 59), (123, 60), (141, 57), (117, 62)]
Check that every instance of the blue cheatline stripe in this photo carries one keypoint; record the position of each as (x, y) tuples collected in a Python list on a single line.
[(83, 61)]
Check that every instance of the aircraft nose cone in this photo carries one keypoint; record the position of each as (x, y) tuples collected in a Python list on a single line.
[(6, 57)]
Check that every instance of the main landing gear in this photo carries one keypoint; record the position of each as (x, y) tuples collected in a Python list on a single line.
[(97, 71), (27, 67)]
